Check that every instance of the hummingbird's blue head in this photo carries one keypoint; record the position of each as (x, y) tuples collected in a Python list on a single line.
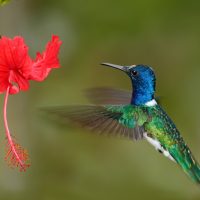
[(143, 81)]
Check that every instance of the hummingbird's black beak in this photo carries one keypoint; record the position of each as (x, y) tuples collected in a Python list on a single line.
[(122, 68)]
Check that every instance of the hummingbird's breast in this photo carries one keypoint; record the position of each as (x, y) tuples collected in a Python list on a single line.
[(161, 131)]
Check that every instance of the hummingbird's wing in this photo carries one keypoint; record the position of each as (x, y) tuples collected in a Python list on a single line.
[(126, 121), (110, 96), (106, 95)]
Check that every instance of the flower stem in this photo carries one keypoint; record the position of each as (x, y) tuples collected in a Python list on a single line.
[(12, 146)]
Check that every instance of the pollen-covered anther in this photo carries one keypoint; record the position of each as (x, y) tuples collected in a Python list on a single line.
[(17, 156)]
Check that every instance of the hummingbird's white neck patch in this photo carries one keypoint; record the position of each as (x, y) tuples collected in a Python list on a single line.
[(151, 103)]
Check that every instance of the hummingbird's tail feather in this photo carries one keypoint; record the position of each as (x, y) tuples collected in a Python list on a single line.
[(188, 163), (194, 173)]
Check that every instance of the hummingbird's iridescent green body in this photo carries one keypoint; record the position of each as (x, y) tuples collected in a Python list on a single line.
[(161, 132), (135, 115)]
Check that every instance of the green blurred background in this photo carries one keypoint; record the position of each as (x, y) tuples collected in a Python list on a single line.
[(69, 163)]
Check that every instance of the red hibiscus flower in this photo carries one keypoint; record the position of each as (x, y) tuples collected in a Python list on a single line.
[(16, 70)]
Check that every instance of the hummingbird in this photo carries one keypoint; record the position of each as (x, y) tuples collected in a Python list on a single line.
[(135, 115)]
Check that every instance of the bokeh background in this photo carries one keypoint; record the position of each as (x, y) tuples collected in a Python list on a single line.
[(69, 163)]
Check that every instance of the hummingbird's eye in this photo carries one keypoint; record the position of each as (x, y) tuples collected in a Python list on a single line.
[(134, 73)]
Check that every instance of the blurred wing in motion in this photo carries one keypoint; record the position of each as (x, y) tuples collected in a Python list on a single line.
[(105, 95), (110, 120), (111, 96)]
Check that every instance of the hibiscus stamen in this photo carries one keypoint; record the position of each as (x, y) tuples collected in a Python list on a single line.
[(16, 155)]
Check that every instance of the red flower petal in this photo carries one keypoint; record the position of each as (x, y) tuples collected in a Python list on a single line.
[(16, 77), (14, 62), (47, 60), (13, 89), (4, 83), (14, 54)]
